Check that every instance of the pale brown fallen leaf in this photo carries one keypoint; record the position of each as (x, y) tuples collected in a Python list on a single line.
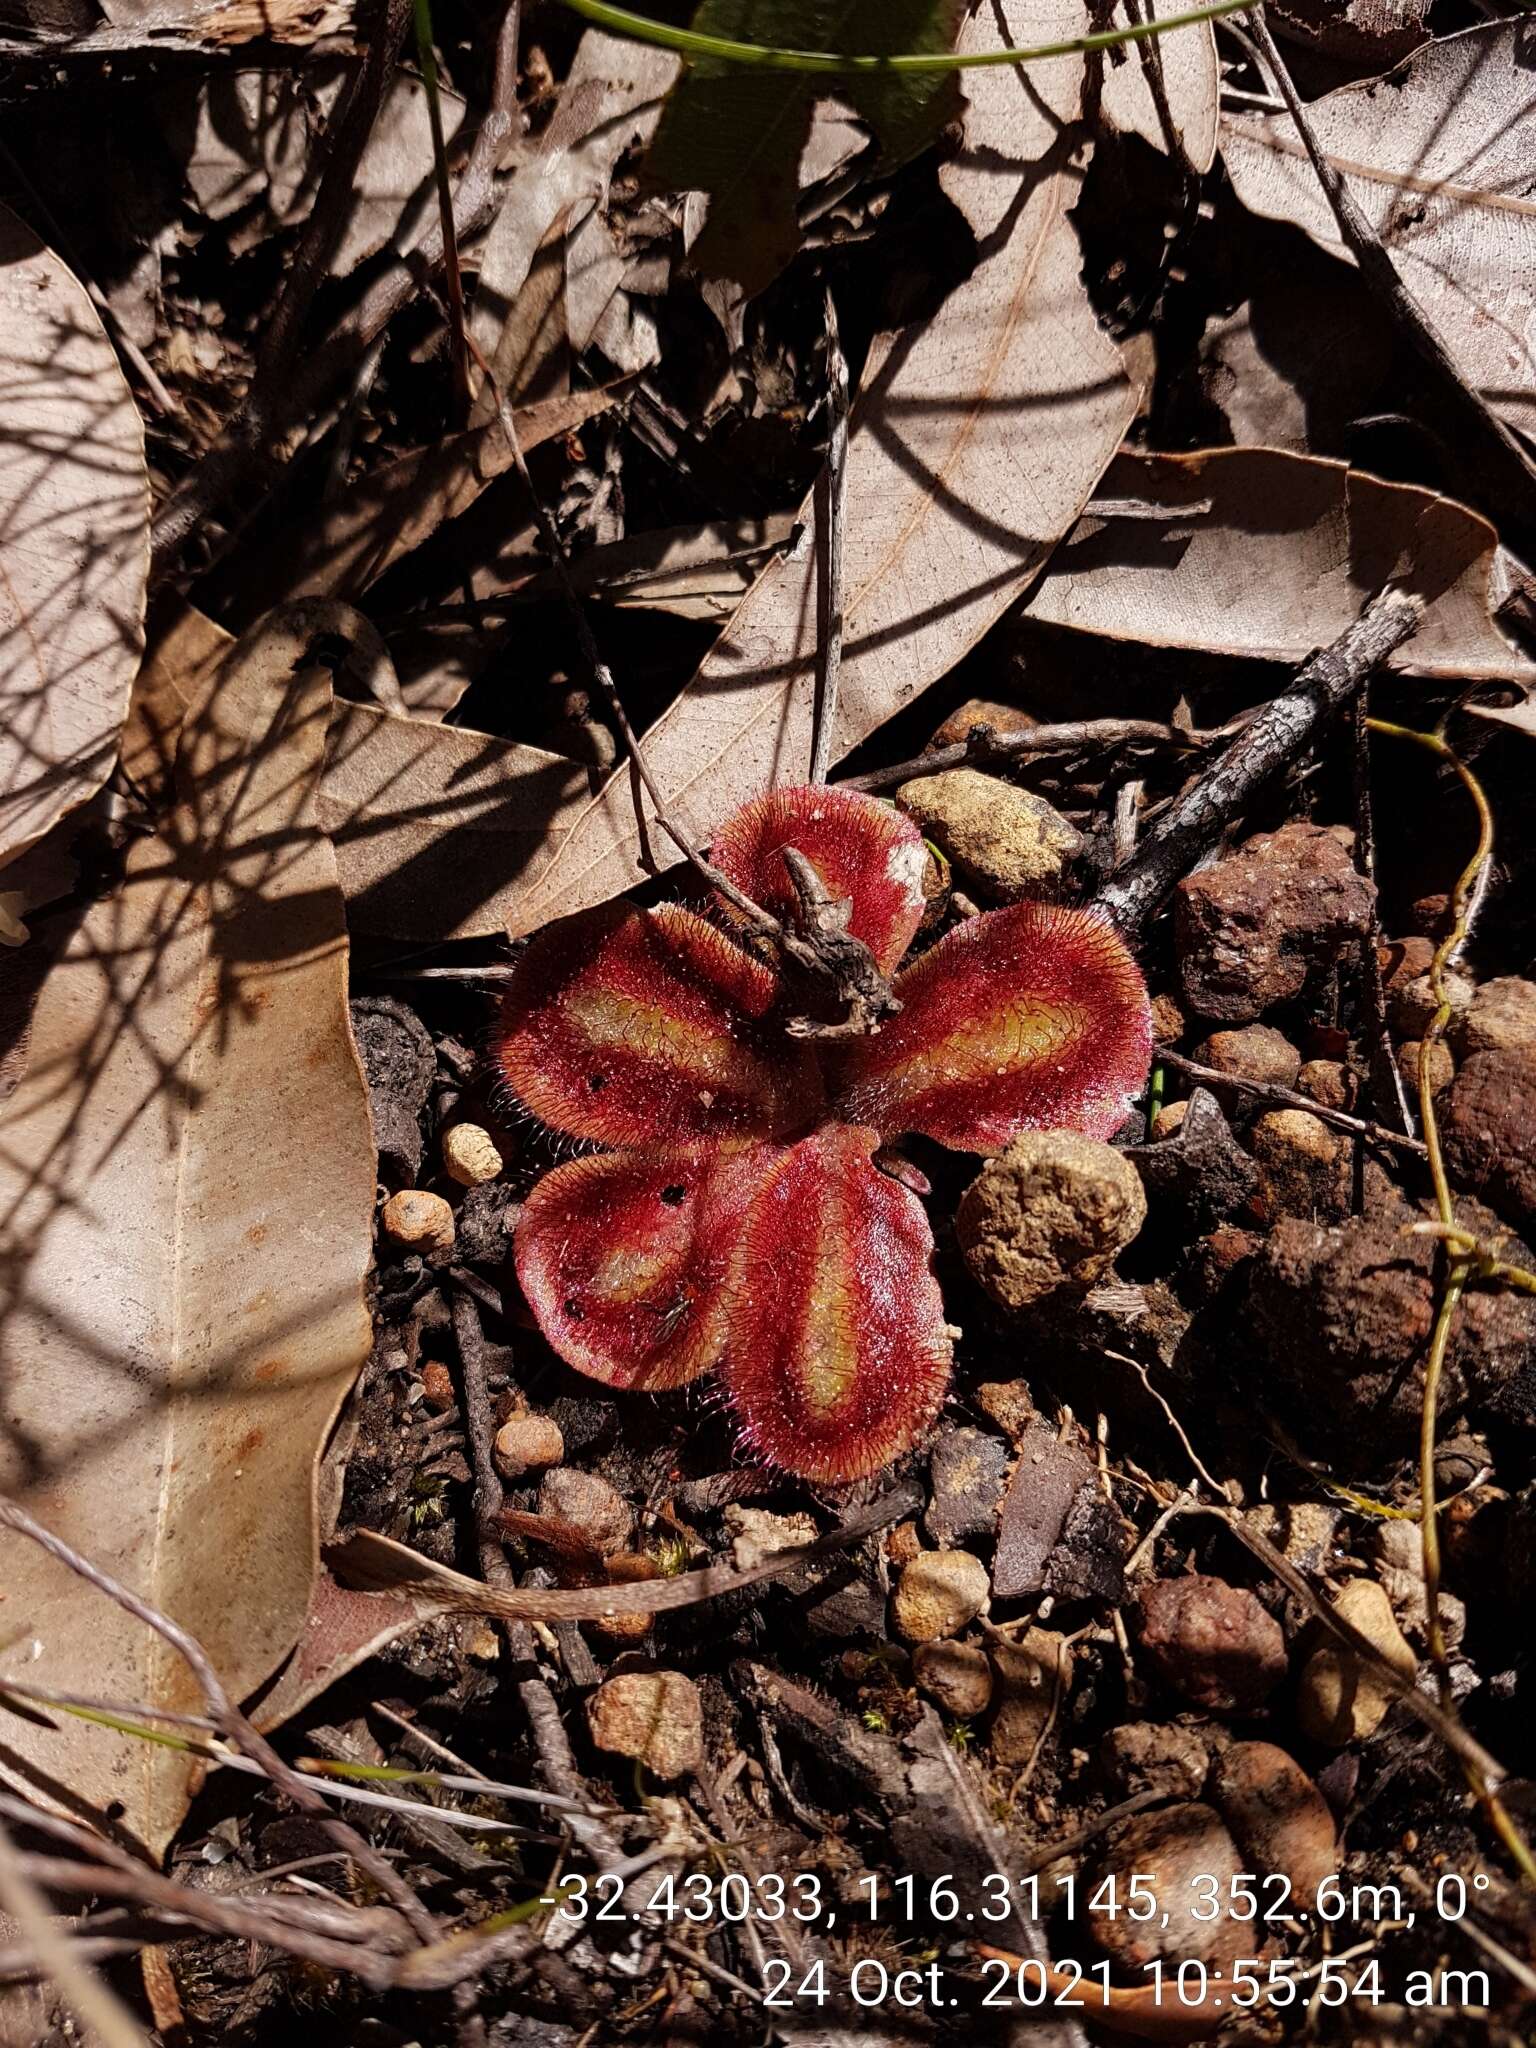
[(435, 826), (1361, 33), (1165, 89), (186, 1184), (393, 193), (693, 572), (1438, 154), (837, 136), (1306, 353), (43, 875), (74, 541), (533, 353), (178, 665), (1518, 717), (254, 138), (976, 441), (1272, 554), (343, 1628), (432, 825), (216, 24), (610, 101), (615, 318)]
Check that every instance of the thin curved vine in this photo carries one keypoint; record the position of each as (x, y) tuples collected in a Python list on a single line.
[(1467, 1257), (687, 42)]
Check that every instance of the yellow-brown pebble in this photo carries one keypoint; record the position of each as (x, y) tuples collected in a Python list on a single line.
[(470, 1155), (419, 1222)]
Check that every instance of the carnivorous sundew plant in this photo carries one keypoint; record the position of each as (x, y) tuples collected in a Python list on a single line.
[(743, 1218)]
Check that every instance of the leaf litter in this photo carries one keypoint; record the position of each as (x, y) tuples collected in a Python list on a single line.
[(182, 1318), (981, 410)]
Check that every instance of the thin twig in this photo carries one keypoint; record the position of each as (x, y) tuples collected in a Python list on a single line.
[(1434, 1716), (1517, 1967), (220, 1753), (1068, 1845), (758, 918), (1183, 1504), (1194, 823), (232, 1724), (1289, 1098), (20, 1965), (102, 1866), (697, 1960), (1467, 895), (1142, 1373), (546, 1727), (982, 743), (453, 279), (105, 2018), (831, 508), (366, 1959), (1504, 471)]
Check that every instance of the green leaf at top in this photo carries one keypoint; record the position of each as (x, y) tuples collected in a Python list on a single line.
[(736, 133)]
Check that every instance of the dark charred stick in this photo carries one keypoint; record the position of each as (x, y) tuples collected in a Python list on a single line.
[(1192, 825), (1288, 1098), (984, 745), (1505, 472), (833, 973)]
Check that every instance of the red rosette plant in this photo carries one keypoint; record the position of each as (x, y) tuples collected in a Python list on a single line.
[(739, 1220)]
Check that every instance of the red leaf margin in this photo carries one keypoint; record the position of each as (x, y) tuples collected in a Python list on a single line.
[(624, 1256), (837, 1354), (1026, 1019), (645, 1027), (863, 850)]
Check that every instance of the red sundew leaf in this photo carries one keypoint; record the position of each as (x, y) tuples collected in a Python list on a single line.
[(1026, 1019), (630, 1027), (837, 1354), (622, 1257), (862, 849)]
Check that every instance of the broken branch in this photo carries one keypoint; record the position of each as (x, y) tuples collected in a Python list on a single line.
[(1191, 826)]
